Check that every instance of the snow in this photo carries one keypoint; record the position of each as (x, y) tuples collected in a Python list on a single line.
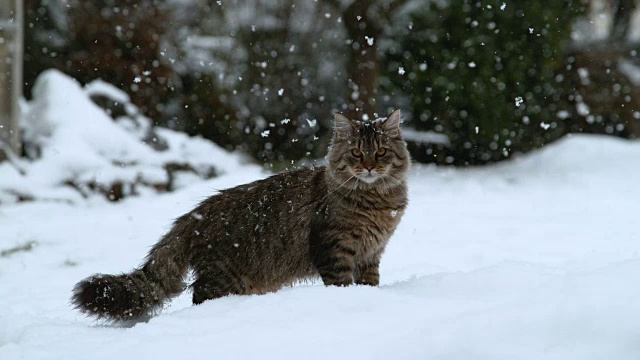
[(630, 70), (425, 137), (519, 101), (537, 258), (582, 109), (73, 141), (97, 87), (370, 40)]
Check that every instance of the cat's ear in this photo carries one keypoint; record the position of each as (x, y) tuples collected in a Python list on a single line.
[(343, 126), (391, 125)]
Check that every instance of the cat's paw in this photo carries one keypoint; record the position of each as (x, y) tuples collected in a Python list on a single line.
[(369, 282), (370, 278), (338, 282)]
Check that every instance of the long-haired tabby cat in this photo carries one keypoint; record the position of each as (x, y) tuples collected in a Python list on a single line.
[(332, 221)]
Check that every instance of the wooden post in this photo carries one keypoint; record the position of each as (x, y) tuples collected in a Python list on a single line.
[(11, 48)]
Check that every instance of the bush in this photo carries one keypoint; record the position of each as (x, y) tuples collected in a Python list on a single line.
[(118, 41), (485, 74)]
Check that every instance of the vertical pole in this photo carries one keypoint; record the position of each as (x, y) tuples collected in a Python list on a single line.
[(11, 48), (16, 143)]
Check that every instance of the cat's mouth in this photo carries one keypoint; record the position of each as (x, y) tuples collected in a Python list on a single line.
[(368, 177)]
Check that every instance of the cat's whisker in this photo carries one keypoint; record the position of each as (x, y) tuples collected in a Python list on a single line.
[(338, 187)]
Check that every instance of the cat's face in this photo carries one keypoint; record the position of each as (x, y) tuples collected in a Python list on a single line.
[(368, 152)]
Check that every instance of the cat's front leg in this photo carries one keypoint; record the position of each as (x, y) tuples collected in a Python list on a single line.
[(335, 264), (368, 273)]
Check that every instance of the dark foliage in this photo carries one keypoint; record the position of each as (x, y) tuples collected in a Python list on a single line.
[(487, 76), (496, 80), (116, 40)]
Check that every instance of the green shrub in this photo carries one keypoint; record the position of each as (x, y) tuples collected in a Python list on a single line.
[(486, 74)]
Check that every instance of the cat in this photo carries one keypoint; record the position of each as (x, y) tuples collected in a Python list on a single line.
[(333, 222)]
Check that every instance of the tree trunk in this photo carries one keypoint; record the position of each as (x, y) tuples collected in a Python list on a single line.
[(363, 66), (10, 76), (622, 20)]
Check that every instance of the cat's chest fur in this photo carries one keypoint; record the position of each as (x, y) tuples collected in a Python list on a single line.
[(373, 229), (363, 223)]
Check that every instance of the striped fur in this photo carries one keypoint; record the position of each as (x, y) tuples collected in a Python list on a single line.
[(333, 222)]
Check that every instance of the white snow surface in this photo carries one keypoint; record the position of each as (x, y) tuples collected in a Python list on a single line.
[(78, 142), (537, 258)]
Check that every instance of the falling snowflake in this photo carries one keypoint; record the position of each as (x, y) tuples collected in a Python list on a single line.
[(545, 125), (265, 133), (369, 40), (503, 6), (285, 121), (401, 70), (280, 92), (137, 79), (519, 100), (583, 109), (311, 123)]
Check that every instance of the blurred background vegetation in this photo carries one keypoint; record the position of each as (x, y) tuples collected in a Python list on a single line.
[(478, 81)]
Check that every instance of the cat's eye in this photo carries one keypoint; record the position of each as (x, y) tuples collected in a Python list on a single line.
[(381, 151), (356, 152)]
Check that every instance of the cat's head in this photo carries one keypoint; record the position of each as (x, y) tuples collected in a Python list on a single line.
[(369, 152)]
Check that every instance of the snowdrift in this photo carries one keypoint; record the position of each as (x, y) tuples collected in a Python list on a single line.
[(77, 149)]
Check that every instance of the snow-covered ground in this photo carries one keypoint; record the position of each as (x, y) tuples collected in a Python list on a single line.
[(538, 258)]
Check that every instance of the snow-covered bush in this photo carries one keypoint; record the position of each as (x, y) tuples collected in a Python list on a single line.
[(77, 149)]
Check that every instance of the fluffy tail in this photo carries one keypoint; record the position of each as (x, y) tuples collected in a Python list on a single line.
[(137, 295)]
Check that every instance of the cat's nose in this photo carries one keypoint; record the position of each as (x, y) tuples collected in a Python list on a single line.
[(369, 167)]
